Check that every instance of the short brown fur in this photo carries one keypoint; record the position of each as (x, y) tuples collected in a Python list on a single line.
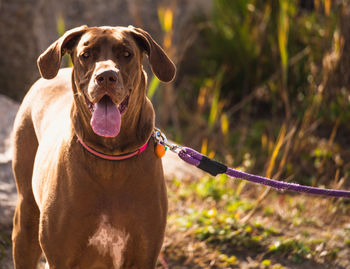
[(65, 193)]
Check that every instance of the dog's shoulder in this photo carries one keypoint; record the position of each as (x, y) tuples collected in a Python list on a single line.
[(47, 98), (56, 86), (46, 91)]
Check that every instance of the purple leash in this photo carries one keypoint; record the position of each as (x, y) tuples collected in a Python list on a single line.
[(214, 168), (195, 158)]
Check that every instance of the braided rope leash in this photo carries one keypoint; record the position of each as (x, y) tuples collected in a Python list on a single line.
[(214, 168)]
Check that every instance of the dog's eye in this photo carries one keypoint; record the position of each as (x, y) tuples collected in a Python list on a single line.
[(85, 55), (126, 54)]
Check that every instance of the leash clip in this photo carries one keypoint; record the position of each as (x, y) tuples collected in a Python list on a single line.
[(160, 138)]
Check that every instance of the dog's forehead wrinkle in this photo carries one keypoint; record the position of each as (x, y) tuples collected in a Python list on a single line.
[(117, 37), (85, 39), (126, 43)]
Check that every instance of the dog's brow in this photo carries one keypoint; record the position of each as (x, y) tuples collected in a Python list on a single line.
[(85, 39), (126, 43)]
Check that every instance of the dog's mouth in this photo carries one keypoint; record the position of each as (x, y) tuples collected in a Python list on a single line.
[(106, 115)]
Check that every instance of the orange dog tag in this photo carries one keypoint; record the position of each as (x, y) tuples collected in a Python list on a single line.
[(159, 150)]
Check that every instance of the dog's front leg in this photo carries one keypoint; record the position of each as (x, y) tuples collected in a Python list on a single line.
[(26, 248), (25, 242)]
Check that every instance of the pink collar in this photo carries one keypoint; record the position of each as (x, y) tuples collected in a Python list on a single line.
[(113, 157)]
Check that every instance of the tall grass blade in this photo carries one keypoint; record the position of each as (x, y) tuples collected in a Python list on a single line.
[(204, 148), (153, 86), (283, 31), (165, 18), (60, 25), (214, 110), (168, 20), (224, 124), (276, 150), (61, 29), (327, 7)]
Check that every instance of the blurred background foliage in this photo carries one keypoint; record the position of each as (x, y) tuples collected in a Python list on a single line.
[(262, 86), (265, 89), (258, 89)]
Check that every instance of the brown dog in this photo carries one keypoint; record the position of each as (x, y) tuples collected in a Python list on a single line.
[(81, 210)]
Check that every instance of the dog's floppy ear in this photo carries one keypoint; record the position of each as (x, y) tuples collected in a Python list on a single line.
[(50, 60), (160, 63)]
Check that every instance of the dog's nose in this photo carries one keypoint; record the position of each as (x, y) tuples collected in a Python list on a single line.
[(106, 78)]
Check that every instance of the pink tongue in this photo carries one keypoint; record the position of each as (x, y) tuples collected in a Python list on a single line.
[(106, 119)]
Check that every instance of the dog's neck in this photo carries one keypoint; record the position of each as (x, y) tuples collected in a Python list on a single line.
[(136, 127)]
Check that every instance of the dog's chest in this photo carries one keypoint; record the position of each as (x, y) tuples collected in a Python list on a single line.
[(109, 241)]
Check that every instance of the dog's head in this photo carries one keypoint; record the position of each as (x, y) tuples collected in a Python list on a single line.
[(107, 69)]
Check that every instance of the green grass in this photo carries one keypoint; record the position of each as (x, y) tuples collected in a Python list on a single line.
[(209, 214)]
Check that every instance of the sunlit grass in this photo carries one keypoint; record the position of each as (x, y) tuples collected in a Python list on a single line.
[(206, 217)]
